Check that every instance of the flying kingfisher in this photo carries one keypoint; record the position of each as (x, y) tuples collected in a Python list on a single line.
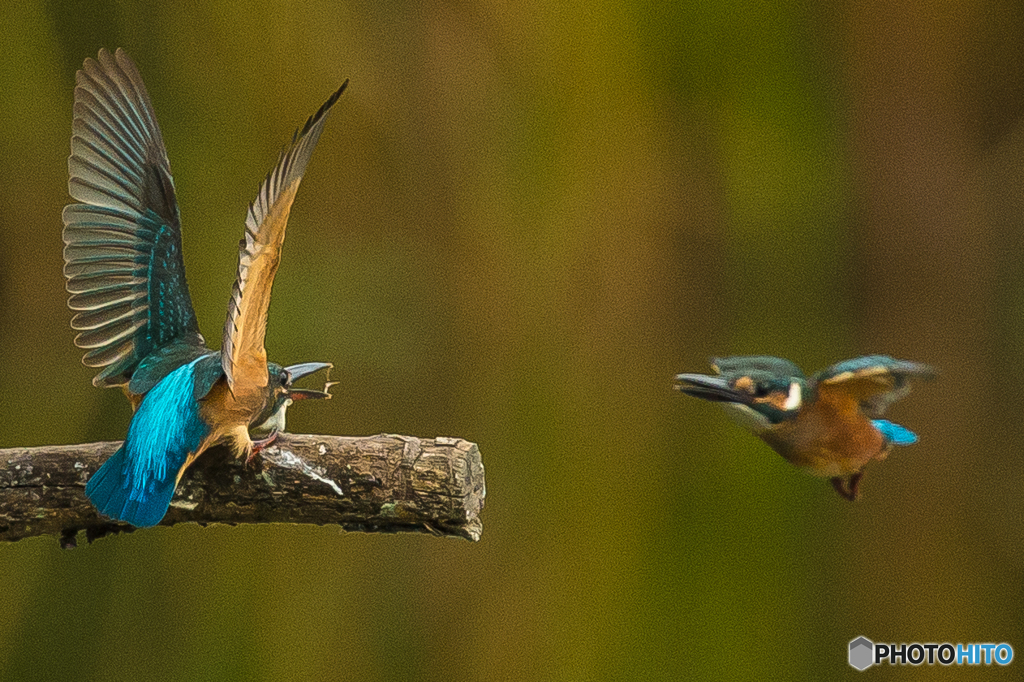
[(830, 424), (126, 278)]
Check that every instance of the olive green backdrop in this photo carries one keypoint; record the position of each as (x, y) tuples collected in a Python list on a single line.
[(522, 220)]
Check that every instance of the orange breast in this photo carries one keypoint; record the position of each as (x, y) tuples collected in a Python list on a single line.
[(228, 417), (830, 437), (222, 409)]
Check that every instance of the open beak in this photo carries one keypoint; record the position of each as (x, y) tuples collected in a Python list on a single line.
[(711, 388), (305, 369)]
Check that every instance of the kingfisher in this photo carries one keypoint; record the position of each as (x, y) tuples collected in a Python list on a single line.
[(126, 280), (829, 424)]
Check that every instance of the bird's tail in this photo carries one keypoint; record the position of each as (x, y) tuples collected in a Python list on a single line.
[(894, 433), (111, 489), (137, 483)]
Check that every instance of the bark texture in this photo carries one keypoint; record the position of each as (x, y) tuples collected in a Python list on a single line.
[(378, 484)]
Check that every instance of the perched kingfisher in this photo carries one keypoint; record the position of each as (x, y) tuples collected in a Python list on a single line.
[(830, 424), (126, 278)]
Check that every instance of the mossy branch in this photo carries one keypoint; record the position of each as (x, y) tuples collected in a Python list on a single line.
[(378, 484)]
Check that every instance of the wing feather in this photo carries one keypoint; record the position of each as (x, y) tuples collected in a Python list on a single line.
[(243, 356), (874, 381), (122, 241)]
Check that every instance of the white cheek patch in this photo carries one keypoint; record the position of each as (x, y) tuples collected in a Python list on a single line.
[(794, 399)]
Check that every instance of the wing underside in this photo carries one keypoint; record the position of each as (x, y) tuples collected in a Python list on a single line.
[(243, 355)]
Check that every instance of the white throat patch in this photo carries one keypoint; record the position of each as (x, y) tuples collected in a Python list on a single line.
[(749, 419), (277, 420)]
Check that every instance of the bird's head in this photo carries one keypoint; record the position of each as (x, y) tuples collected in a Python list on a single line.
[(758, 391), (282, 394)]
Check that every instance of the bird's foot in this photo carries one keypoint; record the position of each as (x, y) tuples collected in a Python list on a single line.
[(848, 488), (258, 445)]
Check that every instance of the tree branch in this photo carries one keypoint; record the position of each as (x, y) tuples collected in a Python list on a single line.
[(379, 484)]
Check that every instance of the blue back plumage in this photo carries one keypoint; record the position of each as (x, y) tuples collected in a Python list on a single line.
[(137, 483), (894, 433)]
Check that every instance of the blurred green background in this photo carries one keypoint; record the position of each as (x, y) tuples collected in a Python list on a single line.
[(521, 221)]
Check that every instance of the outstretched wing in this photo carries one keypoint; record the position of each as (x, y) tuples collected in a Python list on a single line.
[(242, 355), (122, 254), (874, 381)]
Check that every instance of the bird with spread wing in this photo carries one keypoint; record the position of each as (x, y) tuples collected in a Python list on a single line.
[(829, 424), (126, 279)]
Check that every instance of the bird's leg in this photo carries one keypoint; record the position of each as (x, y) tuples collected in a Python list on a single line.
[(259, 444), (850, 491), (855, 485)]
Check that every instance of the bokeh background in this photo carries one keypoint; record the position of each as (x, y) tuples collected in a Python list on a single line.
[(521, 221)]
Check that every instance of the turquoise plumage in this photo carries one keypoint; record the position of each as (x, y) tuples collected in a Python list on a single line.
[(136, 484), (894, 433)]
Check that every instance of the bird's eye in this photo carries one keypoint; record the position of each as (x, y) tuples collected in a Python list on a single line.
[(286, 378)]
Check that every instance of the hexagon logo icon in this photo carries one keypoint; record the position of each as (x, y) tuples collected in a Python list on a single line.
[(862, 653)]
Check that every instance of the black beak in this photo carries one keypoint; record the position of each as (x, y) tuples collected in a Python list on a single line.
[(305, 369), (711, 388)]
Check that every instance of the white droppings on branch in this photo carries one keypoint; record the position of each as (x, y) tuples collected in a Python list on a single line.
[(289, 460)]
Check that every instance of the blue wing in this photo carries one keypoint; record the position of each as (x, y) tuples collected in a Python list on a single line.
[(894, 433), (122, 256), (137, 483)]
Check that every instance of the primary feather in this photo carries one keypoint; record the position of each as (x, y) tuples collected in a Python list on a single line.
[(122, 250), (259, 254)]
